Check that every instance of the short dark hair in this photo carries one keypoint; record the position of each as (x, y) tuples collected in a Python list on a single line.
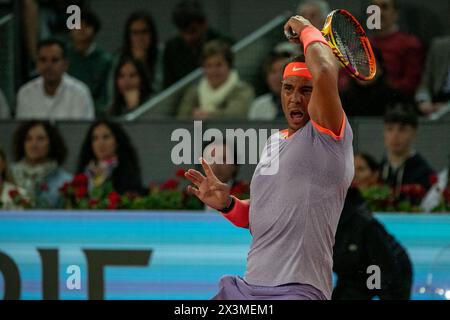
[(57, 149), (402, 114), (53, 42), (221, 47), (91, 19), (187, 12)]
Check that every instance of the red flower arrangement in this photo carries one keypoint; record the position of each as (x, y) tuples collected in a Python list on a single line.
[(77, 196), (180, 173), (446, 194), (241, 190), (444, 206), (410, 198), (171, 184), (170, 195), (382, 198), (19, 200), (433, 179)]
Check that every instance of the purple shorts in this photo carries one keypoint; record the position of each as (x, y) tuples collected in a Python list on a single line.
[(236, 288)]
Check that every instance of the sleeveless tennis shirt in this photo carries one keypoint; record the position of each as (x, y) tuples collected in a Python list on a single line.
[(294, 213)]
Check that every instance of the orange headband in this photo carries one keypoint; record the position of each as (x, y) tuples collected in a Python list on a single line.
[(297, 69)]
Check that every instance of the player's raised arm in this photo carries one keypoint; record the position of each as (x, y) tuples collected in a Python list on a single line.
[(325, 107)]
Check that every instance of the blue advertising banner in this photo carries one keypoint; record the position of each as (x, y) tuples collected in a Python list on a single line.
[(166, 255)]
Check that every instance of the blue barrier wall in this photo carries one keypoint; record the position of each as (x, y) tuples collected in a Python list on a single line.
[(187, 252)]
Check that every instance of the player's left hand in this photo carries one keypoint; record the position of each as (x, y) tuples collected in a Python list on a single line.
[(209, 189)]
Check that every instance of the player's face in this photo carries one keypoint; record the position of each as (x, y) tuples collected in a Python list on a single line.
[(103, 143), (295, 95), (398, 137)]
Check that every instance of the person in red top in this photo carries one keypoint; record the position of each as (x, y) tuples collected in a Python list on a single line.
[(403, 53)]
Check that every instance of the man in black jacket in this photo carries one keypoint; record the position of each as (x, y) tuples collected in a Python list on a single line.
[(402, 165), (361, 241)]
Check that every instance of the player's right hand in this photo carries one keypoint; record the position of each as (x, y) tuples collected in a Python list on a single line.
[(210, 190), (295, 25)]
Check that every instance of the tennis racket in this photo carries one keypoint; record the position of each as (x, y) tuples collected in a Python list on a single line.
[(349, 43)]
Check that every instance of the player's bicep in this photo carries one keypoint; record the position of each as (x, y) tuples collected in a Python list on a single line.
[(325, 108)]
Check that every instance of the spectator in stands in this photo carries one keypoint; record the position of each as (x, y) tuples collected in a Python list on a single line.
[(40, 152), (131, 86), (403, 165), (140, 41), (366, 171), (182, 54), (368, 98), (221, 93), (7, 187), (361, 241), (5, 112), (268, 106), (316, 11), (107, 156), (88, 62), (54, 95), (433, 94), (403, 53)]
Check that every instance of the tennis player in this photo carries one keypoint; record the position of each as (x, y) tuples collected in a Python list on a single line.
[(293, 215)]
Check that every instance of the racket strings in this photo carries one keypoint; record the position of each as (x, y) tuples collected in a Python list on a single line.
[(349, 43)]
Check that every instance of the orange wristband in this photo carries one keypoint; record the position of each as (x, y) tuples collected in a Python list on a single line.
[(239, 215), (310, 35)]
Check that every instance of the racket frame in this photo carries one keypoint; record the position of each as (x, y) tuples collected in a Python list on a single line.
[(327, 32)]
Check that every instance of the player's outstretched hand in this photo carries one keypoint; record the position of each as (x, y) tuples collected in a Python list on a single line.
[(210, 190)]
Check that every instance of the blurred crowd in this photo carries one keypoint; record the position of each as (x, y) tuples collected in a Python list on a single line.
[(72, 78)]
